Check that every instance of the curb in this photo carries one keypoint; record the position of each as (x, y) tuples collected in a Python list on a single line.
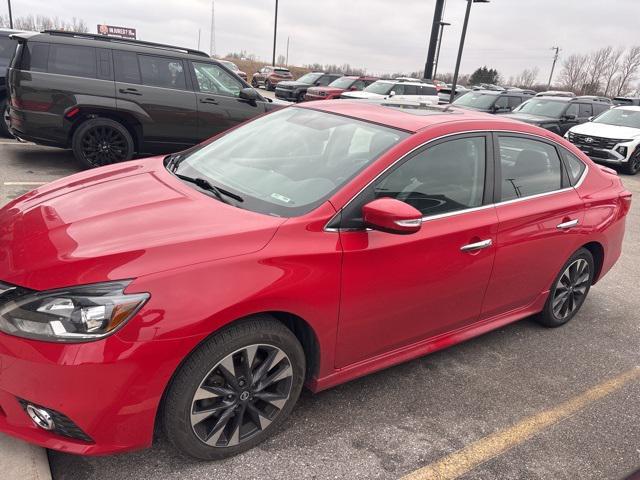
[(22, 461)]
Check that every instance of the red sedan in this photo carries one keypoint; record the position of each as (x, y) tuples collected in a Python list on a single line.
[(310, 246), (339, 86)]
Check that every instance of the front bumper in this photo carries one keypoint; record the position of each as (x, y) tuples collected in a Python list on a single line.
[(289, 95), (110, 389)]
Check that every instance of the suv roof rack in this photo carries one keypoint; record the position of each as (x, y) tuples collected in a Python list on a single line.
[(592, 97), (142, 43)]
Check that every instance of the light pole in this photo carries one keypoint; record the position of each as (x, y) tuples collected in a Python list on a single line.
[(437, 18), (275, 31), (553, 67), (462, 37), (435, 66), (10, 15)]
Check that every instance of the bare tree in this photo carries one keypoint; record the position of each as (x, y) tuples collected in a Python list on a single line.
[(41, 22), (526, 79), (628, 69), (594, 70), (610, 68), (573, 72)]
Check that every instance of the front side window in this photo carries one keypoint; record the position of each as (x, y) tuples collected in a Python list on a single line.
[(210, 78), (162, 72), (572, 110), (381, 88), (72, 60), (477, 100), (585, 110), (310, 78), (528, 167), (126, 67), (444, 178), (290, 161), (514, 102), (325, 80)]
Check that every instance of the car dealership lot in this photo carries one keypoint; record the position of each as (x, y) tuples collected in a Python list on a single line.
[(485, 395)]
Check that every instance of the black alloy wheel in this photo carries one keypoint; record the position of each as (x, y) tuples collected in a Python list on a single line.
[(102, 141)]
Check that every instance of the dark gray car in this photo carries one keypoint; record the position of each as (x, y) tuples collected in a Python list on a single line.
[(295, 90)]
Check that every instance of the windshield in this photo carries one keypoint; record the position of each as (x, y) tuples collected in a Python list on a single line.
[(343, 82), (310, 78), (290, 161), (475, 100), (620, 117), (544, 108), (381, 88)]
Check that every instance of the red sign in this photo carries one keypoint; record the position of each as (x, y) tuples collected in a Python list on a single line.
[(123, 32)]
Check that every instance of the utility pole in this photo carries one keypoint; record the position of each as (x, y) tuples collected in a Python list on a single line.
[(212, 45), (10, 15), (286, 62), (435, 67), (435, 28), (199, 32), (275, 33), (555, 59)]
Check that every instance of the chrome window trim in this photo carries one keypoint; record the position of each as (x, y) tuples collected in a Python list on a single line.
[(427, 218)]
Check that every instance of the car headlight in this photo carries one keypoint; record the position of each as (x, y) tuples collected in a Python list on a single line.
[(74, 314)]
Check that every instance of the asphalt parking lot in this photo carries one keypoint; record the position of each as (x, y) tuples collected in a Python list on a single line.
[(522, 402)]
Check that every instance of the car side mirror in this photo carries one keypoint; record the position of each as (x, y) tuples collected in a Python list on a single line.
[(590, 119), (249, 95), (570, 117), (392, 93), (392, 216)]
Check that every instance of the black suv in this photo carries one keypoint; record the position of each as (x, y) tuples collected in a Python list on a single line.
[(493, 101), (295, 90), (559, 114), (110, 98), (7, 49)]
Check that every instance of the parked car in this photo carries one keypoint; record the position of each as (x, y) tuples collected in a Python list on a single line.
[(626, 101), (269, 77), (234, 68), (109, 98), (295, 90), (612, 137), (339, 86), (7, 50), (444, 93), (559, 114), (200, 291), (492, 101), (555, 93), (401, 90)]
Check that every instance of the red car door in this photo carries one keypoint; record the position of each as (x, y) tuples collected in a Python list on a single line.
[(539, 217), (399, 289)]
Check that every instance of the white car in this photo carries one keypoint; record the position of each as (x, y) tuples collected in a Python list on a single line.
[(401, 90), (612, 137)]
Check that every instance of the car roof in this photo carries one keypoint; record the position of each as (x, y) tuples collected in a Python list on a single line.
[(404, 82), (633, 108), (410, 119)]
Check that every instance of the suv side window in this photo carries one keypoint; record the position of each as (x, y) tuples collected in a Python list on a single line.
[(324, 80), (105, 69), (574, 165), (410, 90), (572, 110), (358, 85), (35, 57), (72, 60), (528, 167), (585, 110), (398, 88), (126, 67), (162, 72), (502, 103), (514, 102), (428, 90), (598, 108), (210, 78), (444, 178)]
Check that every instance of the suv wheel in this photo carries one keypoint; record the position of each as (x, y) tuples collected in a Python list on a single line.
[(569, 290), (268, 86), (4, 124), (235, 390), (633, 165), (101, 141)]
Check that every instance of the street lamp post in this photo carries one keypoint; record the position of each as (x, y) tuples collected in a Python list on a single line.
[(10, 15), (435, 66), (275, 32), (462, 37)]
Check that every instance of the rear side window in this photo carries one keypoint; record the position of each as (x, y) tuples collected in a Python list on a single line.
[(599, 108), (428, 90), (105, 70), (72, 60), (575, 167), (7, 49), (126, 66), (35, 57), (514, 102), (410, 90), (162, 72), (528, 167)]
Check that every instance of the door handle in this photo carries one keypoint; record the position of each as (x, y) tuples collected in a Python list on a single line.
[(567, 225), (472, 247), (129, 91), (209, 100)]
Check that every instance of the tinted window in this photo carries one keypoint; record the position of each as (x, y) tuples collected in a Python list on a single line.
[(502, 103), (72, 60), (585, 110), (575, 167), (7, 49), (529, 167), (428, 90), (410, 90), (572, 110), (325, 80), (35, 57), (213, 79), (399, 89), (105, 71), (126, 66), (443, 178), (599, 108), (162, 72), (358, 85), (514, 102)]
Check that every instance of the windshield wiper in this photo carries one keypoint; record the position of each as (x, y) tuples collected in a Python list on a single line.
[(218, 192), (173, 161)]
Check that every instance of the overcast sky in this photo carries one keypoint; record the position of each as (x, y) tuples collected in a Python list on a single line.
[(383, 36)]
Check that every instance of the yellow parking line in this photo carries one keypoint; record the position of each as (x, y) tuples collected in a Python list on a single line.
[(12, 184), (474, 454)]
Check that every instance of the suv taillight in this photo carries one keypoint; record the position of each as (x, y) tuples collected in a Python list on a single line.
[(30, 105)]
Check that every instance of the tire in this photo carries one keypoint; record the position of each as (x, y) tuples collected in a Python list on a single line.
[(4, 127), (633, 165), (101, 141), (569, 290), (254, 83), (300, 97), (201, 383), (268, 86)]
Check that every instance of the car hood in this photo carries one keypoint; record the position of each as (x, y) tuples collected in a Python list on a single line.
[(292, 83), (528, 118), (363, 95), (606, 131), (119, 222)]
